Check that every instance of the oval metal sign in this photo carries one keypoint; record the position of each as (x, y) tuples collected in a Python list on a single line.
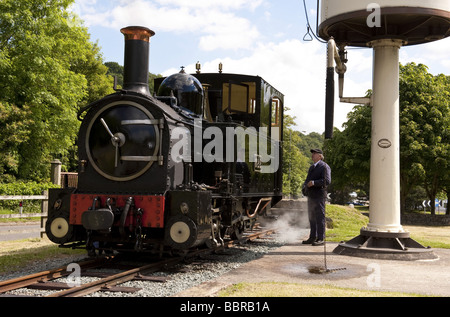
[(384, 143)]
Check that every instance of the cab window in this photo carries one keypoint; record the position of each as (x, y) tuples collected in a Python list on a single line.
[(239, 98), (276, 112)]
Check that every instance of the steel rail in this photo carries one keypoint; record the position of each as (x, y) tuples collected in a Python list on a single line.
[(113, 280), (48, 275)]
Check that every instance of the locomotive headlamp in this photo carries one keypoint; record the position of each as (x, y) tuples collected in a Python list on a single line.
[(184, 208), (122, 140), (57, 205)]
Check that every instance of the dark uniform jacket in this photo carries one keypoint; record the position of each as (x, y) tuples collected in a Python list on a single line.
[(321, 175)]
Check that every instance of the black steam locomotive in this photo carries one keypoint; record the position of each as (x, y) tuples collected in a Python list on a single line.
[(198, 161)]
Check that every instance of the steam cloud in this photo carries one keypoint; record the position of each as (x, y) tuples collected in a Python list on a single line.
[(291, 226)]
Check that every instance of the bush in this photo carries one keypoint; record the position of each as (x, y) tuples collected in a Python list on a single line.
[(23, 188)]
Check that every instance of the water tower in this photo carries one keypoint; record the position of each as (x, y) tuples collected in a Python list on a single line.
[(385, 26)]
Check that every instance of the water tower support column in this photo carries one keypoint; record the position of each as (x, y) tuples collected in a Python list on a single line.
[(384, 237), (385, 148)]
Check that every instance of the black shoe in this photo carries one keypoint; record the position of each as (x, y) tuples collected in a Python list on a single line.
[(318, 242), (309, 241)]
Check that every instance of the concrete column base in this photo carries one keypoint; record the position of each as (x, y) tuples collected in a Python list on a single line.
[(386, 246)]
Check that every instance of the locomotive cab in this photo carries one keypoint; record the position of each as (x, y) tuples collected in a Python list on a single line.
[(237, 103), (241, 135)]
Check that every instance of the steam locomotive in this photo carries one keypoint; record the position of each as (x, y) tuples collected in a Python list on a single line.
[(195, 163)]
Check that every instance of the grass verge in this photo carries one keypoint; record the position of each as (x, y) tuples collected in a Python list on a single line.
[(15, 255), (276, 289), (347, 223)]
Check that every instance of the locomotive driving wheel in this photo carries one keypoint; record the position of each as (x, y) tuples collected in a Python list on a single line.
[(237, 231)]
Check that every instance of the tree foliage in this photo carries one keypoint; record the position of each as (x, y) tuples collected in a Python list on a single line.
[(424, 130), (296, 156), (349, 155), (48, 67), (294, 162), (13, 123), (115, 69)]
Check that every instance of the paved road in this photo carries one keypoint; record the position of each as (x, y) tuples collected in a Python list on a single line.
[(9, 232)]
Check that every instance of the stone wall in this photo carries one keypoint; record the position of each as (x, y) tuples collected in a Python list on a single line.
[(415, 219)]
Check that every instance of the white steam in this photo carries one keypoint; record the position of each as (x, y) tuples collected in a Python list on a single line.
[(291, 225)]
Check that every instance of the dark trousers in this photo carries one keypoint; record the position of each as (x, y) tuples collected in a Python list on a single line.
[(316, 214)]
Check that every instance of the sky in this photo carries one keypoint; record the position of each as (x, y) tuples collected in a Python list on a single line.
[(253, 37)]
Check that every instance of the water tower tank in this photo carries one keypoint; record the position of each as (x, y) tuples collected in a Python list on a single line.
[(414, 21)]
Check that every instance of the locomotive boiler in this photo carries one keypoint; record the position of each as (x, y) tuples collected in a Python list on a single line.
[(195, 163)]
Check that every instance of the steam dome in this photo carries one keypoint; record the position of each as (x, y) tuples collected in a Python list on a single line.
[(187, 89)]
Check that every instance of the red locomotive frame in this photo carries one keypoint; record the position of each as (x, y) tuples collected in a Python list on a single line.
[(152, 206)]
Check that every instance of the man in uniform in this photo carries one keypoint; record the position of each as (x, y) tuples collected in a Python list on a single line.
[(317, 180)]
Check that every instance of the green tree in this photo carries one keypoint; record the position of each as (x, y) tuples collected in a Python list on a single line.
[(13, 123), (48, 68), (114, 69), (306, 142), (295, 163), (348, 155), (425, 130)]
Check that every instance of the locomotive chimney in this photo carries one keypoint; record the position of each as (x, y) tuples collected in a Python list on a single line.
[(137, 45)]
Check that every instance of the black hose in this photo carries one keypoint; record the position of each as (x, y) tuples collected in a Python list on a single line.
[(329, 103)]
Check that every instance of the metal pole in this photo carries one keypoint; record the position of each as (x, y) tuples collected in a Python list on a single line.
[(55, 175)]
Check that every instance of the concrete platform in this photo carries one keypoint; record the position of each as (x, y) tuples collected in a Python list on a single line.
[(291, 263)]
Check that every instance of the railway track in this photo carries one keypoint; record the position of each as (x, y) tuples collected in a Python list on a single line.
[(108, 282)]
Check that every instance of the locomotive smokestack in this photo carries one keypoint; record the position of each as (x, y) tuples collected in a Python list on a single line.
[(137, 45)]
